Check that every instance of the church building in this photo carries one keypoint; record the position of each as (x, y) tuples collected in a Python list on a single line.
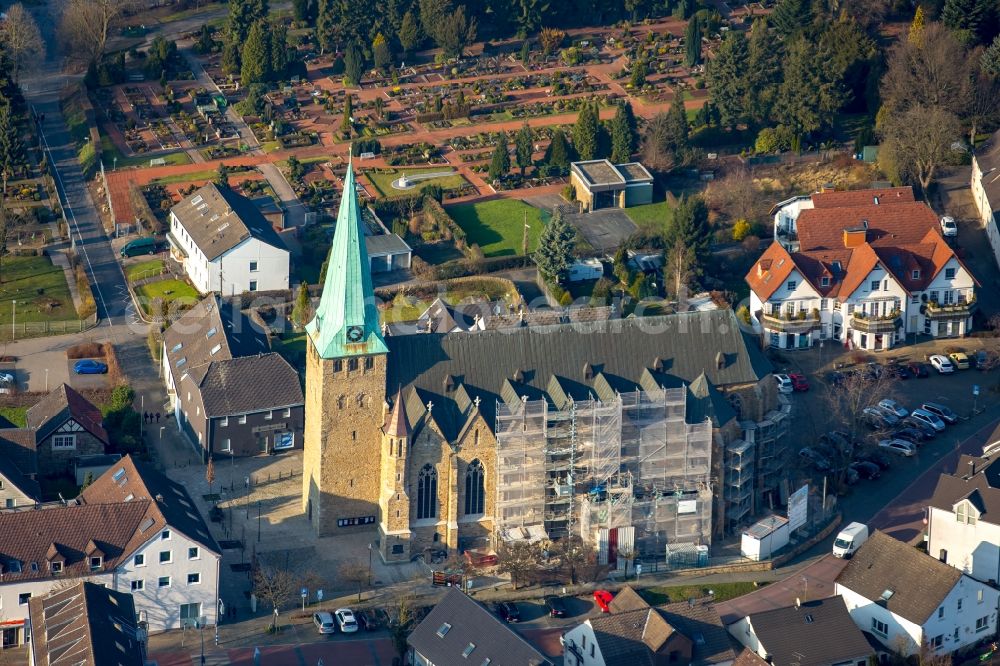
[(642, 435)]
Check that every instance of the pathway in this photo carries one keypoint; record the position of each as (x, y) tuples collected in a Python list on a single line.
[(295, 215), (200, 75)]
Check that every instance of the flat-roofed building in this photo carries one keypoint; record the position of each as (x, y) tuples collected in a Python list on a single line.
[(601, 184)]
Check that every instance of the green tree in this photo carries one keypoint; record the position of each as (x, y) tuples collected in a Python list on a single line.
[(10, 145), (767, 141), (256, 56), (689, 228), (523, 147), (243, 15), (525, 51), (990, 60), (380, 52), (807, 100), (554, 254), (585, 133), (500, 162), (455, 33), (763, 73), (638, 79), (222, 176), (347, 124), (301, 10), (432, 16), (530, 15), (557, 154), (327, 26), (354, 66), (409, 33), (790, 17), (666, 142), (295, 169), (302, 312), (692, 42), (230, 58), (965, 18), (727, 75), (622, 139), (279, 50)]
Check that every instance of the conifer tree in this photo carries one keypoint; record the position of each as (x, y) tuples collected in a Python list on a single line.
[(557, 154), (523, 147), (585, 133), (555, 248), (256, 56), (500, 162)]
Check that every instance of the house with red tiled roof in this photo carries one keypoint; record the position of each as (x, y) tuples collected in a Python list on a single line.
[(133, 530), (863, 268)]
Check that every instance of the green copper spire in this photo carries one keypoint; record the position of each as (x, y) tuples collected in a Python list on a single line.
[(346, 321)]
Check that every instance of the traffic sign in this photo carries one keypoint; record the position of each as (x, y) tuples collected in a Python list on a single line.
[(975, 389), (304, 592)]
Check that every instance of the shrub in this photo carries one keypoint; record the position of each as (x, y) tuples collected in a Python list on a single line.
[(767, 141), (566, 299), (568, 193), (743, 312), (85, 350), (741, 230)]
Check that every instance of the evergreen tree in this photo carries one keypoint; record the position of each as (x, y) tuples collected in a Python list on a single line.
[(347, 125), (409, 33), (525, 51), (380, 52), (230, 58), (638, 79), (557, 154), (279, 50), (763, 73), (807, 101), (222, 176), (965, 17), (523, 147), (555, 248), (791, 17), (585, 132), (300, 10), (727, 78), (692, 42), (302, 312), (990, 61), (243, 15), (455, 33), (916, 35), (500, 162), (689, 228), (354, 66), (10, 144), (256, 56), (622, 140), (678, 127), (327, 26)]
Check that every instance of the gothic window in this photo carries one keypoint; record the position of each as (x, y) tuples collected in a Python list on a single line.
[(338, 365), (427, 486), (474, 495), (737, 404), (361, 400), (352, 364), (341, 400)]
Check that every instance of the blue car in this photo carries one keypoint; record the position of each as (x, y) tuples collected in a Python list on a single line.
[(90, 367)]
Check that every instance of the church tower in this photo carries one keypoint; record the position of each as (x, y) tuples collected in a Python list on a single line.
[(345, 386), (394, 525)]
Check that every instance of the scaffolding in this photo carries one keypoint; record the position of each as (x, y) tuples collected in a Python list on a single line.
[(768, 438), (591, 467), (738, 478)]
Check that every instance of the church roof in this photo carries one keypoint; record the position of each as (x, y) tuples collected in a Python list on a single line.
[(346, 321), (578, 361), (397, 425)]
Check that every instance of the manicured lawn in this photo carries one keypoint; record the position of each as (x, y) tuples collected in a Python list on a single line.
[(723, 592), (18, 416), (291, 345), (110, 152), (169, 290), (39, 288), (653, 216), (185, 177), (383, 181), (143, 269), (497, 226)]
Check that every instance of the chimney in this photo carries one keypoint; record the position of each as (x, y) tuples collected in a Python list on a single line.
[(855, 236), (972, 466)]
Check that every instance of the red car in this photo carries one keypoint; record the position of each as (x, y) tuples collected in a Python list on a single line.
[(603, 598), (799, 382)]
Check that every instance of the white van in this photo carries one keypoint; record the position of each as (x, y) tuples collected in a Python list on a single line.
[(849, 540)]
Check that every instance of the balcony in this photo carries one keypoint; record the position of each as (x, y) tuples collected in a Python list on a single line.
[(935, 310), (870, 324), (802, 322)]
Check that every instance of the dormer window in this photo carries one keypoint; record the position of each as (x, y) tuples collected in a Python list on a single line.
[(966, 513), (96, 562), (915, 274), (56, 567), (824, 281)]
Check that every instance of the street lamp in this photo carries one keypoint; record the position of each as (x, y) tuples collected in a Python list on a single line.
[(13, 319), (46, 380), (369, 565), (258, 521), (201, 632)]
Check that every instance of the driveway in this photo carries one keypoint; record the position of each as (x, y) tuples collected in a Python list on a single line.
[(295, 211), (604, 229)]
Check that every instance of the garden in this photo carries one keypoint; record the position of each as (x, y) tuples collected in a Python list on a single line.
[(38, 287), (159, 298), (497, 226), (383, 179)]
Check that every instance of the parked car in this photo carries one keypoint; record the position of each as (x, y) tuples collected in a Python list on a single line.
[(919, 370), (960, 360), (948, 227), (556, 606), (799, 382), (603, 598), (911, 435), (866, 470), (7, 379), (346, 621), (929, 431), (900, 371), (879, 418), (942, 364), (838, 440), (815, 459), (139, 246), (890, 405), (784, 383), (898, 446), (324, 622), (931, 419), (88, 366), (507, 610), (372, 619), (942, 411), (877, 458)]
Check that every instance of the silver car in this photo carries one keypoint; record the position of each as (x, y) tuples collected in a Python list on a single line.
[(324, 622), (890, 405)]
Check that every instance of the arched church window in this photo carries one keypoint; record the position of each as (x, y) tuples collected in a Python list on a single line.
[(474, 491), (427, 493)]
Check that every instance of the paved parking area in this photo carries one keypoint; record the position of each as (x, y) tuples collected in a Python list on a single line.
[(604, 229)]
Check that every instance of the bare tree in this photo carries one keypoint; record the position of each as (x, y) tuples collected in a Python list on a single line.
[(576, 557), (86, 25), (353, 572), (400, 621), (275, 587), (680, 270), (982, 106), (210, 474), (21, 38), (918, 142), (516, 558), (737, 196), (933, 72)]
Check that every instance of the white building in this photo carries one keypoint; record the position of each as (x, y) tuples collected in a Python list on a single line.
[(906, 598), (863, 268), (963, 519), (225, 244), (132, 530), (986, 190)]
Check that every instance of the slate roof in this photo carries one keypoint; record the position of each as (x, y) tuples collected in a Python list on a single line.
[(247, 384), (988, 159), (17, 447), (705, 402), (18, 478), (631, 637), (381, 245), (212, 321), (439, 317), (581, 360), (918, 582), (85, 625), (62, 404), (465, 622), (983, 487), (166, 502), (699, 620), (218, 219), (816, 633)]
